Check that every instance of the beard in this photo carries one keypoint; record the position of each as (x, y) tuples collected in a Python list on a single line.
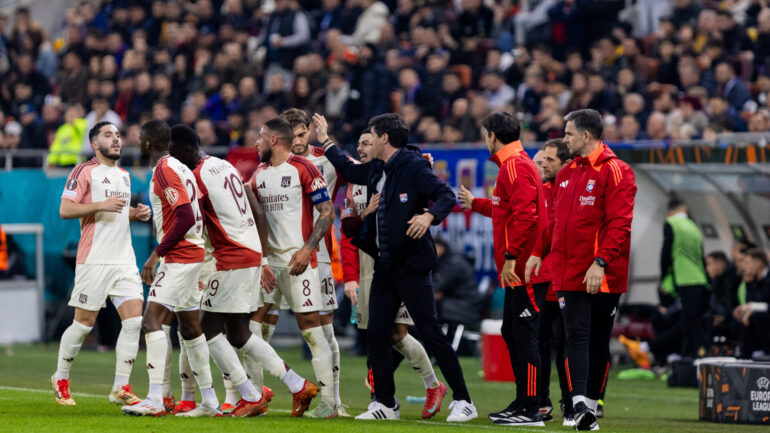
[(266, 155), (107, 153), (300, 149)]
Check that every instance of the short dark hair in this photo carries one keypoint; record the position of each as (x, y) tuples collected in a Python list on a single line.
[(95, 130), (295, 117), (184, 135), (674, 202), (718, 255), (503, 125), (758, 254), (587, 120), (367, 130), (281, 128), (392, 124), (157, 133), (562, 151)]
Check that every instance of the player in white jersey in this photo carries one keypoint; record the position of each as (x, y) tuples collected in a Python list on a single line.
[(174, 288), (357, 207), (98, 192), (289, 187), (231, 292)]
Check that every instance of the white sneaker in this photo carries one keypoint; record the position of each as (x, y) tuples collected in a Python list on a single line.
[(145, 407), (462, 411), (201, 412), (378, 411)]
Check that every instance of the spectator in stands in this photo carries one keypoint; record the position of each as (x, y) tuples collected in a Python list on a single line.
[(731, 87), (287, 36), (208, 133), (12, 135), (33, 132), (656, 127), (369, 25), (760, 121), (689, 120), (498, 93), (630, 128)]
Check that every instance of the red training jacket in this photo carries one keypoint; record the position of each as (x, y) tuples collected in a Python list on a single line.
[(544, 238), (593, 206), (517, 207)]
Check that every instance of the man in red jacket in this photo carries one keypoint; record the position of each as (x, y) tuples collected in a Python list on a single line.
[(591, 240), (517, 209), (555, 155)]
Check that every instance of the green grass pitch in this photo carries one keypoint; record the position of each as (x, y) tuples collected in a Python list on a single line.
[(27, 403)]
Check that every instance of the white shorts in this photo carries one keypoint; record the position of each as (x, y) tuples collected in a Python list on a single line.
[(94, 283), (364, 288), (327, 287), (177, 285), (233, 291), (301, 293)]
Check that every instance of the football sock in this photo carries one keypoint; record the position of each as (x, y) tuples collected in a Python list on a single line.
[(335, 348), (227, 360), (185, 373), (167, 370), (415, 353), (322, 362), (157, 346), (253, 367), (125, 350), (198, 357), (69, 346)]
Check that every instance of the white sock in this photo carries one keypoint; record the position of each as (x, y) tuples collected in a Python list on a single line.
[(69, 346), (335, 348), (644, 346), (294, 381), (157, 346), (227, 360), (268, 330), (418, 359), (322, 362), (167, 371), (252, 366), (578, 399), (592, 404), (198, 357), (185, 373), (125, 350), (261, 352), (231, 394), (209, 397)]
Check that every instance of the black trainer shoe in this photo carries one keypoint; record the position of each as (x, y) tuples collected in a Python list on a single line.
[(508, 411), (522, 417), (585, 419)]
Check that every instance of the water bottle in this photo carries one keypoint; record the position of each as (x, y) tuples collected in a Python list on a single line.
[(354, 313)]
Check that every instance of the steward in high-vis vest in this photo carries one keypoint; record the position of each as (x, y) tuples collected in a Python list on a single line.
[(683, 272), (68, 142)]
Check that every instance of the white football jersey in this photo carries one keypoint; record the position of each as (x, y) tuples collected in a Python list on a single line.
[(105, 237), (288, 193), (230, 224)]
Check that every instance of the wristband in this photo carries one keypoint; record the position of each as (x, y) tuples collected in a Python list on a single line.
[(264, 261), (601, 262), (509, 256)]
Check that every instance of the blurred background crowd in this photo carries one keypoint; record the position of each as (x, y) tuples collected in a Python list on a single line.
[(656, 69)]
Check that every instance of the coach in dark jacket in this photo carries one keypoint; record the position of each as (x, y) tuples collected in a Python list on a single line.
[(397, 235)]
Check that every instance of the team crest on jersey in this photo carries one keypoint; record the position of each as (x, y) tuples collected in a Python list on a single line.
[(561, 303), (286, 181), (317, 184), (403, 197), (83, 298), (590, 186), (171, 195), (72, 184)]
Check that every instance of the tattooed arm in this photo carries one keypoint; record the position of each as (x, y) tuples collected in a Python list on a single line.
[(300, 260)]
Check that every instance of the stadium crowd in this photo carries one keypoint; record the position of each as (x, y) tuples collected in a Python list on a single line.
[(658, 70)]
